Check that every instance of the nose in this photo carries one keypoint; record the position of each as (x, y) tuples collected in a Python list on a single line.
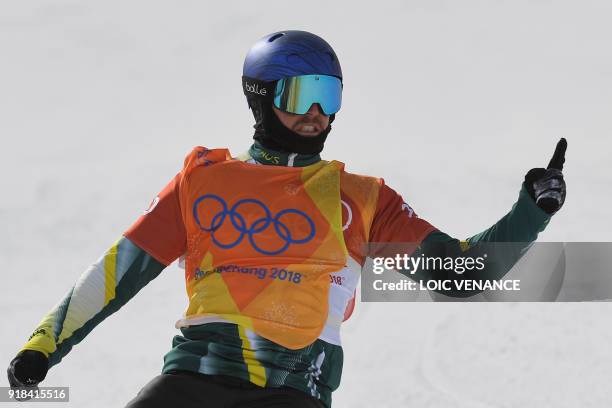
[(314, 110)]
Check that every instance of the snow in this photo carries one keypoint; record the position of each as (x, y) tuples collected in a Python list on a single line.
[(450, 102)]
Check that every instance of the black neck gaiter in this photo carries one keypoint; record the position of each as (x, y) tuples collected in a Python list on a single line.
[(272, 134)]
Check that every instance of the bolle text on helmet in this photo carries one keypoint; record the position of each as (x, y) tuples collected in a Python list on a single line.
[(254, 88)]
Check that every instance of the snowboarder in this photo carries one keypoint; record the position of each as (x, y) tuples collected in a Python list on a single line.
[(271, 242)]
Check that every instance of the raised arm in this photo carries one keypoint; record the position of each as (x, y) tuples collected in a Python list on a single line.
[(542, 194)]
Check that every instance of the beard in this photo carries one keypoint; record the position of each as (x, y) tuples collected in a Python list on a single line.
[(271, 133)]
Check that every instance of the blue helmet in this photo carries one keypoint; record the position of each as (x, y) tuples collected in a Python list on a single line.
[(278, 57), (290, 53)]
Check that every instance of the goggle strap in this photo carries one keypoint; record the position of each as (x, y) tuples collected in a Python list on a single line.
[(257, 88)]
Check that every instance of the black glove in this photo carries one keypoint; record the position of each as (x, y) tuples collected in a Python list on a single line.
[(28, 369), (546, 186)]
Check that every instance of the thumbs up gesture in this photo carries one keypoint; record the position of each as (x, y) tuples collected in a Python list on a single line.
[(546, 186)]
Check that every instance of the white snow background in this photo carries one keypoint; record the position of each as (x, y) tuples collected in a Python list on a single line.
[(450, 101)]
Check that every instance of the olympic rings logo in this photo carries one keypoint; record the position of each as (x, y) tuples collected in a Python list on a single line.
[(250, 231)]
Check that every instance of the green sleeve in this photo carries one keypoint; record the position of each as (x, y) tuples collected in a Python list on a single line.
[(102, 290), (518, 229)]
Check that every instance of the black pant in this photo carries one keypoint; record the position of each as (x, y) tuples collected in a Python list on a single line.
[(183, 389)]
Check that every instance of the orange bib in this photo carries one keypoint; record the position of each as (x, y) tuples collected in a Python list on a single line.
[(261, 244)]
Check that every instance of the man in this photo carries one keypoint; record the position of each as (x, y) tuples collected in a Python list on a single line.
[(272, 244)]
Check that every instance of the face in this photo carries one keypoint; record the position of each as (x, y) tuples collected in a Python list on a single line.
[(309, 124)]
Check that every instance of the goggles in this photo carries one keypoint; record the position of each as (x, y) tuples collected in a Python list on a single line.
[(297, 94)]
